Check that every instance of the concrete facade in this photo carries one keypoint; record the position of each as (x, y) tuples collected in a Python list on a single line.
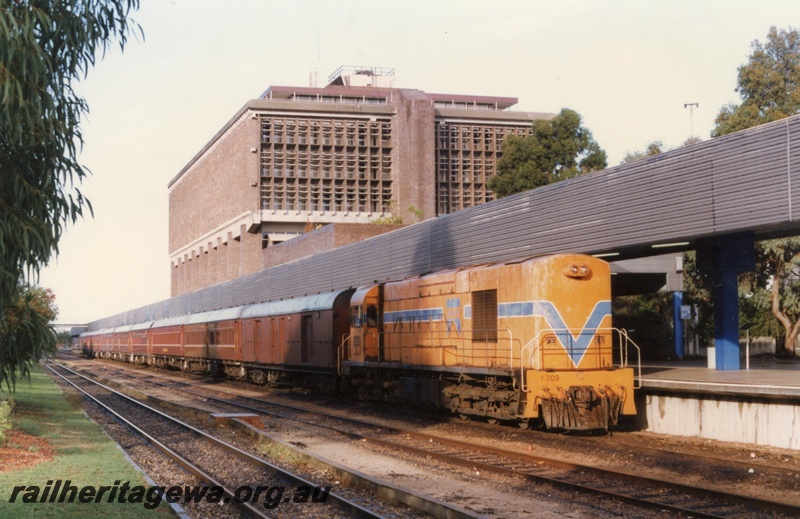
[(762, 422), (760, 406), (353, 152)]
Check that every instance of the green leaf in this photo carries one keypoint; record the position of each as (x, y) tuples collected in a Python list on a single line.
[(44, 47)]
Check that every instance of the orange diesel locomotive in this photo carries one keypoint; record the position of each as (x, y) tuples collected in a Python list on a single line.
[(514, 342)]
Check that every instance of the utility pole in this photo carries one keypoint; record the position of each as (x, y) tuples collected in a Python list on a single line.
[(691, 107)]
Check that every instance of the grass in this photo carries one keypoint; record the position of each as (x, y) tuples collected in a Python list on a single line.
[(84, 455)]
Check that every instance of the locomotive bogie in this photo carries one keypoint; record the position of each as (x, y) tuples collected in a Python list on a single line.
[(485, 397)]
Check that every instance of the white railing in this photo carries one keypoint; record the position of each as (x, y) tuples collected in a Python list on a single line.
[(340, 353), (450, 342), (452, 351), (534, 359)]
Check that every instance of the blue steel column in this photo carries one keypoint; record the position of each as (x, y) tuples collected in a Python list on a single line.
[(722, 259), (677, 301), (726, 318)]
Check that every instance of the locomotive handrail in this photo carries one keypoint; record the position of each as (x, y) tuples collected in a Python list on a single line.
[(510, 350), (340, 353), (638, 378), (536, 364), (449, 341), (534, 358), (442, 346), (534, 341)]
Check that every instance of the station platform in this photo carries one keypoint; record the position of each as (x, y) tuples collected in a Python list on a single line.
[(767, 377), (759, 406)]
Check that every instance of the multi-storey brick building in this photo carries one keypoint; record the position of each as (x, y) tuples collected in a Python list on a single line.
[(350, 153)]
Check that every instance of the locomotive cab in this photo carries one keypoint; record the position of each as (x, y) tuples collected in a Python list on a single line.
[(365, 324)]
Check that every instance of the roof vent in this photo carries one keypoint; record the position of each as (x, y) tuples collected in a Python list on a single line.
[(360, 77)]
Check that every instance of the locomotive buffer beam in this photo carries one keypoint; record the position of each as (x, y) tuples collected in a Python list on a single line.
[(581, 408)]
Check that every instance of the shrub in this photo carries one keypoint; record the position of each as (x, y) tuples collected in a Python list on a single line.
[(5, 418)]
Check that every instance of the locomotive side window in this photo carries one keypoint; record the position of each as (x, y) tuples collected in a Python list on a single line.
[(372, 316), (484, 316), (356, 316)]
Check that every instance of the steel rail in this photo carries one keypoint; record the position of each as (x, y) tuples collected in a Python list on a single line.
[(340, 502), (697, 492)]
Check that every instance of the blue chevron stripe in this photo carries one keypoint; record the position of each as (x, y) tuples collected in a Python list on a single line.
[(424, 315), (415, 315), (577, 344)]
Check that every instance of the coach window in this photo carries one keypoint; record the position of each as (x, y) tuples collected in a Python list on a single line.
[(213, 335), (356, 316)]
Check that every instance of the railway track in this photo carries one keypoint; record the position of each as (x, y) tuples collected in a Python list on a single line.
[(218, 464), (658, 494)]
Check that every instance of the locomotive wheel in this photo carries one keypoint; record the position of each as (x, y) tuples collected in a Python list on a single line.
[(463, 416), (493, 421), (454, 403), (524, 423)]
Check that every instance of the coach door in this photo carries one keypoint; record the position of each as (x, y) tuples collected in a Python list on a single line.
[(307, 339), (277, 342), (249, 334)]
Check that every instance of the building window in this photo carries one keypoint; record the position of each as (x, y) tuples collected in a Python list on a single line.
[(351, 158)]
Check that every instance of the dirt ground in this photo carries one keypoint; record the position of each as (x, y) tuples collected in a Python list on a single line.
[(19, 450)]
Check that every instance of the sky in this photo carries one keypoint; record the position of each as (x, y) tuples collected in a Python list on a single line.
[(628, 67)]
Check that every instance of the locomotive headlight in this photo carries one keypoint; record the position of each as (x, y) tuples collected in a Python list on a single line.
[(577, 270)]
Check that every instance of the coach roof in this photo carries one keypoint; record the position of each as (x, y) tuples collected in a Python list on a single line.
[(312, 303)]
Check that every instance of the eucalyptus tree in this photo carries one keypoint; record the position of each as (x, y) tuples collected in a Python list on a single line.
[(768, 85), (26, 333), (654, 148), (46, 46), (774, 289), (556, 149)]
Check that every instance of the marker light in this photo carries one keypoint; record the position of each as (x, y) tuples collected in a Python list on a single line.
[(576, 270)]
